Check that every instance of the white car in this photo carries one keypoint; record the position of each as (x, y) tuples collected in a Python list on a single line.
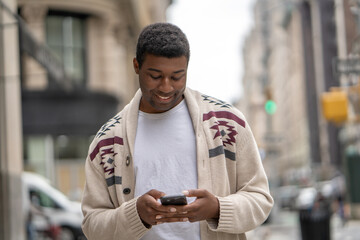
[(55, 205)]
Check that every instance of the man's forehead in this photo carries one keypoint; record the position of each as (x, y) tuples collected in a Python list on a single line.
[(152, 61)]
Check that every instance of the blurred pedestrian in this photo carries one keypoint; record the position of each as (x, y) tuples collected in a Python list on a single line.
[(171, 139), (338, 184), (34, 209)]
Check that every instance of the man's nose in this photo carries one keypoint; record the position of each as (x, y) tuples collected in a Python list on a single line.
[(165, 85)]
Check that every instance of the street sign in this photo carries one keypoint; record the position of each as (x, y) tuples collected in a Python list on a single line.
[(346, 66)]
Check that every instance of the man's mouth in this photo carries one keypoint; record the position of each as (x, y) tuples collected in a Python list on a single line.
[(163, 98)]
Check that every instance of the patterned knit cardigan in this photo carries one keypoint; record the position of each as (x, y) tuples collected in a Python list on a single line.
[(228, 163)]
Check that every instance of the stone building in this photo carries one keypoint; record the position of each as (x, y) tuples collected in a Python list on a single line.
[(274, 70), (76, 73), (66, 68), (288, 59)]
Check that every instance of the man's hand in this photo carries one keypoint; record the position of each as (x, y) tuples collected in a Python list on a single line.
[(206, 206), (148, 207), (151, 212)]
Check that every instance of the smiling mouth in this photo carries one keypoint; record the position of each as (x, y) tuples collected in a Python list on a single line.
[(163, 98)]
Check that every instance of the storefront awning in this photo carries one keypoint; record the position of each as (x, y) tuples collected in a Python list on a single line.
[(70, 113)]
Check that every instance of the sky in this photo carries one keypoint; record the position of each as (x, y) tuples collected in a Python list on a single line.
[(216, 30)]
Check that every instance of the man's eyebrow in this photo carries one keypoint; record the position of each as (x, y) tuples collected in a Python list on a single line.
[(157, 70), (153, 69)]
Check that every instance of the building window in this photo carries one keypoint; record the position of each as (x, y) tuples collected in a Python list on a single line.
[(65, 35)]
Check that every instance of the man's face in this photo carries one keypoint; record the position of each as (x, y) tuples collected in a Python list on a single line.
[(162, 82)]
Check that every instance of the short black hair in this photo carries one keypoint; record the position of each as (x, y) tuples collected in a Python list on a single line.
[(162, 39)]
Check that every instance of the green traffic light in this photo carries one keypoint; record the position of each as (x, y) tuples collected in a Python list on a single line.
[(270, 107)]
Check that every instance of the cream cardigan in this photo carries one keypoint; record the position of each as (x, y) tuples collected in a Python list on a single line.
[(228, 165)]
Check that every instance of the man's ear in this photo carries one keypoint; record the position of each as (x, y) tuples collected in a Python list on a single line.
[(136, 66)]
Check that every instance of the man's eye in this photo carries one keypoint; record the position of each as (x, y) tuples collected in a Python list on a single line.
[(155, 77), (177, 77)]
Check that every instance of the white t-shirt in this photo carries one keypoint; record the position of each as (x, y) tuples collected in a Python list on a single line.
[(165, 159)]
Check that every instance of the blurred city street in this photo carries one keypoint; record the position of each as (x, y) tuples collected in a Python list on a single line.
[(285, 225), (66, 68)]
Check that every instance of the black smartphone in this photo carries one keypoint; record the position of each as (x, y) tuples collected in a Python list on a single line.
[(173, 200)]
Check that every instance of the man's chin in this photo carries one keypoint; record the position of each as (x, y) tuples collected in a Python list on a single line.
[(163, 107)]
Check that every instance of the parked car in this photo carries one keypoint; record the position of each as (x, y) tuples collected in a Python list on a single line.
[(286, 196), (58, 209)]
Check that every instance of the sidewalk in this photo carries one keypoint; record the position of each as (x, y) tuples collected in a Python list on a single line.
[(285, 226), (282, 226), (350, 231)]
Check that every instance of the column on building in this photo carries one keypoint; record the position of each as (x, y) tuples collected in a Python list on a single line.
[(113, 58), (12, 210), (34, 75)]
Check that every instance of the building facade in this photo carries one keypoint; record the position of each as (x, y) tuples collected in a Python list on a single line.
[(274, 70), (76, 73), (292, 56), (290, 53), (65, 69)]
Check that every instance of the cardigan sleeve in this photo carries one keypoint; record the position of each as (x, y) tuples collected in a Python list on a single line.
[(251, 204), (102, 220)]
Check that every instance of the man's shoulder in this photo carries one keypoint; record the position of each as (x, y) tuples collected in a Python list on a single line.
[(106, 137), (214, 103), (216, 109), (207, 102), (113, 128), (107, 129)]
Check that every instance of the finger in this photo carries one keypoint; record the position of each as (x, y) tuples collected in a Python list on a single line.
[(179, 216), (156, 193), (171, 209), (195, 193), (147, 206), (173, 212), (178, 209), (165, 209), (149, 201), (171, 219)]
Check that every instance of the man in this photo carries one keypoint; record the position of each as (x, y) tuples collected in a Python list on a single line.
[(171, 139)]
